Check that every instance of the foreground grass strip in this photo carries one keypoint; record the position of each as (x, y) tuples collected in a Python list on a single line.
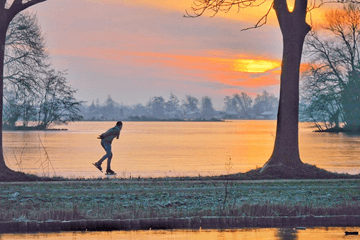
[(159, 198)]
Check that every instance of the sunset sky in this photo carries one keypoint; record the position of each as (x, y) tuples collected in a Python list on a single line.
[(137, 49)]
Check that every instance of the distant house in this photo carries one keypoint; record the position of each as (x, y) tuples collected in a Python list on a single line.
[(175, 114), (94, 115), (231, 114), (192, 115), (267, 115)]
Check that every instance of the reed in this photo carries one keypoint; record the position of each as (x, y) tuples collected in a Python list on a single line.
[(45, 164), (137, 211), (18, 162), (228, 167), (291, 210)]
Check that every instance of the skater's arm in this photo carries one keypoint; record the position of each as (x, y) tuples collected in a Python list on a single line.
[(118, 135), (111, 132)]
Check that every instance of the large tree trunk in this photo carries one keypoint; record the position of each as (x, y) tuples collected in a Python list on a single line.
[(294, 29)]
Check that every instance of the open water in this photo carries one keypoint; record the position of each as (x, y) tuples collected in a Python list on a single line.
[(244, 234)]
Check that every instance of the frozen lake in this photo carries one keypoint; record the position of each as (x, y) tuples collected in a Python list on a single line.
[(160, 149)]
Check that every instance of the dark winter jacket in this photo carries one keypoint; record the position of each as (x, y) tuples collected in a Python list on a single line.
[(110, 134)]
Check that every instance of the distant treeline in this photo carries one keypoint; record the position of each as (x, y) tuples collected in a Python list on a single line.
[(237, 106)]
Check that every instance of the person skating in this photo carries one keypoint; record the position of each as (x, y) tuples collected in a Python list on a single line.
[(106, 140)]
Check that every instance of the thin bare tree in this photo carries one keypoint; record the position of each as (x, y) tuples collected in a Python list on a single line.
[(332, 80), (8, 10)]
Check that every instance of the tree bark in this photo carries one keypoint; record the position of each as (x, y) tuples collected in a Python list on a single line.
[(294, 29)]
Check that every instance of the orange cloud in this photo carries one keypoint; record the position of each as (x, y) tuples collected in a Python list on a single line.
[(221, 70), (248, 80), (245, 71), (255, 65), (304, 67), (248, 14)]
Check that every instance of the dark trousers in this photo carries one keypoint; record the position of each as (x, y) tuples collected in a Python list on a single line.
[(108, 155)]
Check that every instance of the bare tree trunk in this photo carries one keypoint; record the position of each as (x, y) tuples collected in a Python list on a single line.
[(294, 29)]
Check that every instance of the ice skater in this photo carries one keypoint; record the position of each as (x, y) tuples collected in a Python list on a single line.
[(106, 140)]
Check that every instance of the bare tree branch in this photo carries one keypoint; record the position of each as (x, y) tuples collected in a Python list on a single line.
[(262, 20), (2, 3), (200, 6), (19, 6), (215, 6)]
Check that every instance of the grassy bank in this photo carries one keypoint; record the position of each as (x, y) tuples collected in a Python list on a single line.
[(151, 198)]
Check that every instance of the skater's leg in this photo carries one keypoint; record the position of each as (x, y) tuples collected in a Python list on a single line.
[(109, 163), (107, 148), (103, 158)]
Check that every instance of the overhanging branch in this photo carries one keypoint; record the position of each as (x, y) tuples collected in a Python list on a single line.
[(19, 6), (215, 6), (262, 21)]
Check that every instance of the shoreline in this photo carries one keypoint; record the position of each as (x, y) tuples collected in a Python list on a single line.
[(190, 223)]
